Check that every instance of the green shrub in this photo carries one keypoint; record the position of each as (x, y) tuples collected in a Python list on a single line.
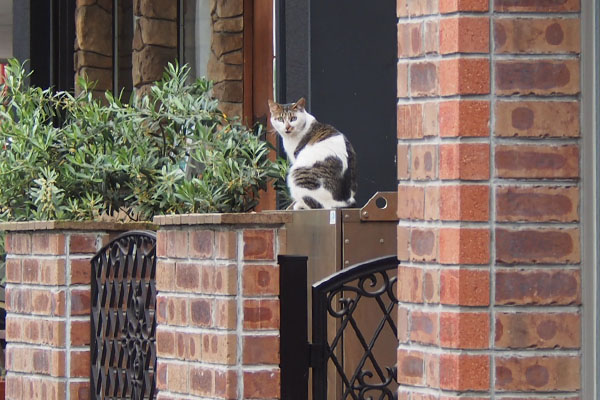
[(74, 157)]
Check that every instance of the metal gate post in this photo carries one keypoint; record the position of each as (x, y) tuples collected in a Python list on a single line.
[(293, 345), (318, 361)]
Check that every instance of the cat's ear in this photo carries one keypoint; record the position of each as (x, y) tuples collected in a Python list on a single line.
[(300, 104), (274, 107)]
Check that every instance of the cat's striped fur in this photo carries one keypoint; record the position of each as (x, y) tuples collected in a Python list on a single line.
[(323, 170)]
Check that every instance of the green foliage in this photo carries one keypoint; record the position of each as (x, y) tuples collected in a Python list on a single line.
[(74, 157)]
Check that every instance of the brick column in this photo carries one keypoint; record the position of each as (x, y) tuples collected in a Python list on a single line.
[(48, 306), (218, 307), (488, 167)]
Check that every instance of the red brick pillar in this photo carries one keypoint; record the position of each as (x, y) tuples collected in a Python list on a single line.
[(218, 308), (48, 277), (488, 168)]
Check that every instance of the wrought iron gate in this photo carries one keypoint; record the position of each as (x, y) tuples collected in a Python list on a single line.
[(344, 301), (123, 319)]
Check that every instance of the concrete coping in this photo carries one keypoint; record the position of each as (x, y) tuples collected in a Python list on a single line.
[(75, 226), (264, 217)]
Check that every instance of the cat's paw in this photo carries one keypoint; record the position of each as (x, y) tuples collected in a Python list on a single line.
[(299, 206)]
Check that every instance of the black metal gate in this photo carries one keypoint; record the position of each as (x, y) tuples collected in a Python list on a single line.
[(123, 319), (339, 297), (352, 311)]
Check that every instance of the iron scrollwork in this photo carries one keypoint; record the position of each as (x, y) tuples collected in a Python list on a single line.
[(382, 388), (338, 297), (123, 319)]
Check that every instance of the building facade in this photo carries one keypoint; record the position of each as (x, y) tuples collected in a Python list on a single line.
[(494, 156)]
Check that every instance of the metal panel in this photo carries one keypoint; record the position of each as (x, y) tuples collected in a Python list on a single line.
[(317, 234), (366, 240), (370, 232), (590, 196), (595, 17)]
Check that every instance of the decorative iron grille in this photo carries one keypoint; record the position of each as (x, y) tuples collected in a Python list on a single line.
[(123, 320), (335, 303)]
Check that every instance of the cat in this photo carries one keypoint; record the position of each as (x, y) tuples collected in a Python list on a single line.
[(323, 163)]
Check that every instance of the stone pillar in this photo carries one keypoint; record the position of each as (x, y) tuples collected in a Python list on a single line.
[(488, 169), (48, 306), (93, 44), (154, 41), (225, 64), (217, 305)]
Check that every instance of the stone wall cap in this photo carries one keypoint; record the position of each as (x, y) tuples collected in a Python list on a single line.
[(264, 217), (75, 226)]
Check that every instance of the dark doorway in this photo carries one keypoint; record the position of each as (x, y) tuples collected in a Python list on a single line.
[(44, 34), (341, 56)]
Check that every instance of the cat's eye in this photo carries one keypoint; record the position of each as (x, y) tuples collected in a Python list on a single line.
[(293, 119), (280, 119)]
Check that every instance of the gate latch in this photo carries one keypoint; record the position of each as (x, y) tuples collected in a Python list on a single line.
[(381, 207)]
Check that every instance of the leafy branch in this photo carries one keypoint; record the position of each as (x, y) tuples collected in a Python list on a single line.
[(75, 157)]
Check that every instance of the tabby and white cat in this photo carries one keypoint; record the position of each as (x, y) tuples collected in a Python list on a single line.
[(323, 162)]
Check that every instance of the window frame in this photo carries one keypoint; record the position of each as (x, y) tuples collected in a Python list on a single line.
[(590, 197), (44, 33)]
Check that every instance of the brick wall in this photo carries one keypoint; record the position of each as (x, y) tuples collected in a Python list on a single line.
[(488, 169), (218, 306), (48, 307)]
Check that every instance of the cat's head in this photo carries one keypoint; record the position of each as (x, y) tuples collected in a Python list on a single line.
[(288, 119)]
